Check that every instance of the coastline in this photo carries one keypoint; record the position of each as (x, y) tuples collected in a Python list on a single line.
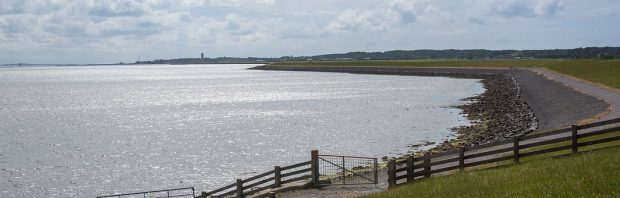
[(513, 104)]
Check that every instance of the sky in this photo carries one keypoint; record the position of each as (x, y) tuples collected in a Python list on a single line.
[(111, 31)]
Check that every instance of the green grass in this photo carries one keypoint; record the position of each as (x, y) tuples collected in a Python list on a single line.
[(589, 174), (606, 72), (564, 152)]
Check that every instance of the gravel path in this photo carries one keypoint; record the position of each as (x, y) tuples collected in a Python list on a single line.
[(557, 101)]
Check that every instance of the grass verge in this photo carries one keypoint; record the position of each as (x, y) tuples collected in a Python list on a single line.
[(588, 174)]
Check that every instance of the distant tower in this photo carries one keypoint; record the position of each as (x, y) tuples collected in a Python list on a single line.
[(202, 55)]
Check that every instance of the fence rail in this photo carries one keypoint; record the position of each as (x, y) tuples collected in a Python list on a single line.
[(351, 168), (177, 192), (414, 168), (270, 179), (410, 169)]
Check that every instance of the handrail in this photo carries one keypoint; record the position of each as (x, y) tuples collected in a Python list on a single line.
[(435, 163), (296, 165), (255, 183), (147, 192), (258, 176), (601, 123), (545, 134), (221, 189)]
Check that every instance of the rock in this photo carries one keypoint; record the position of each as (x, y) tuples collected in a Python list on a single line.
[(498, 114)]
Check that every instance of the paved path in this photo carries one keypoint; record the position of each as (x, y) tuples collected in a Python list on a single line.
[(555, 104), (608, 95)]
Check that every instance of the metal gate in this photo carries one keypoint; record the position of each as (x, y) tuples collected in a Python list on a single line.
[(346, 170)]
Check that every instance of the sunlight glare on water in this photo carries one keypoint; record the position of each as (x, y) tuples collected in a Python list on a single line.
[(89, 131)]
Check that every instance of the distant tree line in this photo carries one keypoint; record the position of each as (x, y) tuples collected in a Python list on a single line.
[(578, 53), (474, 54)]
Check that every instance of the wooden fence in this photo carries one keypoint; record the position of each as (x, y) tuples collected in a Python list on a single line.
[(414, 168), (271, 179), (355, 170), (177, 193)]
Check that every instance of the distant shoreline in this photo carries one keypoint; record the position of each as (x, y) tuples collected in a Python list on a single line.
[(513, 104), (116, 64)]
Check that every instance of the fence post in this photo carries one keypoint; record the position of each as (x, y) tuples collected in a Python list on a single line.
[(427, 165), (462, 158), (391, 173), (515, 155), (314, 167), (278, 176), (239, 188), (204, 194), (574, 138), (344, 169), (376, 172), (410, 169)]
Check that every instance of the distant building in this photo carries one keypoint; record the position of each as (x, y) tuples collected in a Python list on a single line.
[(202, 55)]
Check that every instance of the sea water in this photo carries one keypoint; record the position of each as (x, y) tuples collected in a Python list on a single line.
[(85, 131)]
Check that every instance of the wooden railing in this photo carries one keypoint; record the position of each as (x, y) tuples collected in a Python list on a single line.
[(168, 193), (414, 168), (271, 179)]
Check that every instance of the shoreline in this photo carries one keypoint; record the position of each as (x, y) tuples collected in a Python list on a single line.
[(511, 105)]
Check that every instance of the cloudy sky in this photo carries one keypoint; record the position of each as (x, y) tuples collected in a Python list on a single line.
[(106, 31)]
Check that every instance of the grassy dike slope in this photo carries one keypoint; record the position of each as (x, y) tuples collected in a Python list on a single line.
[(595, 172), (589, 174), (600, 71)]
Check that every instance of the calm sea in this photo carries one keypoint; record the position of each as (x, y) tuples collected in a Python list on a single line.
[(88, 131)]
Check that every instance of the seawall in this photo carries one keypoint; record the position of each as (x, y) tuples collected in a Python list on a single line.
[(517, 101)]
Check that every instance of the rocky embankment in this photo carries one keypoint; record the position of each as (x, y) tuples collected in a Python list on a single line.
[(498, 114), (516, 102)]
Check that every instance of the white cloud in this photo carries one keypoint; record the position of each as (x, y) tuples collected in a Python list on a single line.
[(58, 29), (110, 24), (118, 8), (397, 12), (441, 22), (483, 11), (404, 10), (436, 15), (548, 7), (511, 8), (11, 7), (231, 3), (353, 19)]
